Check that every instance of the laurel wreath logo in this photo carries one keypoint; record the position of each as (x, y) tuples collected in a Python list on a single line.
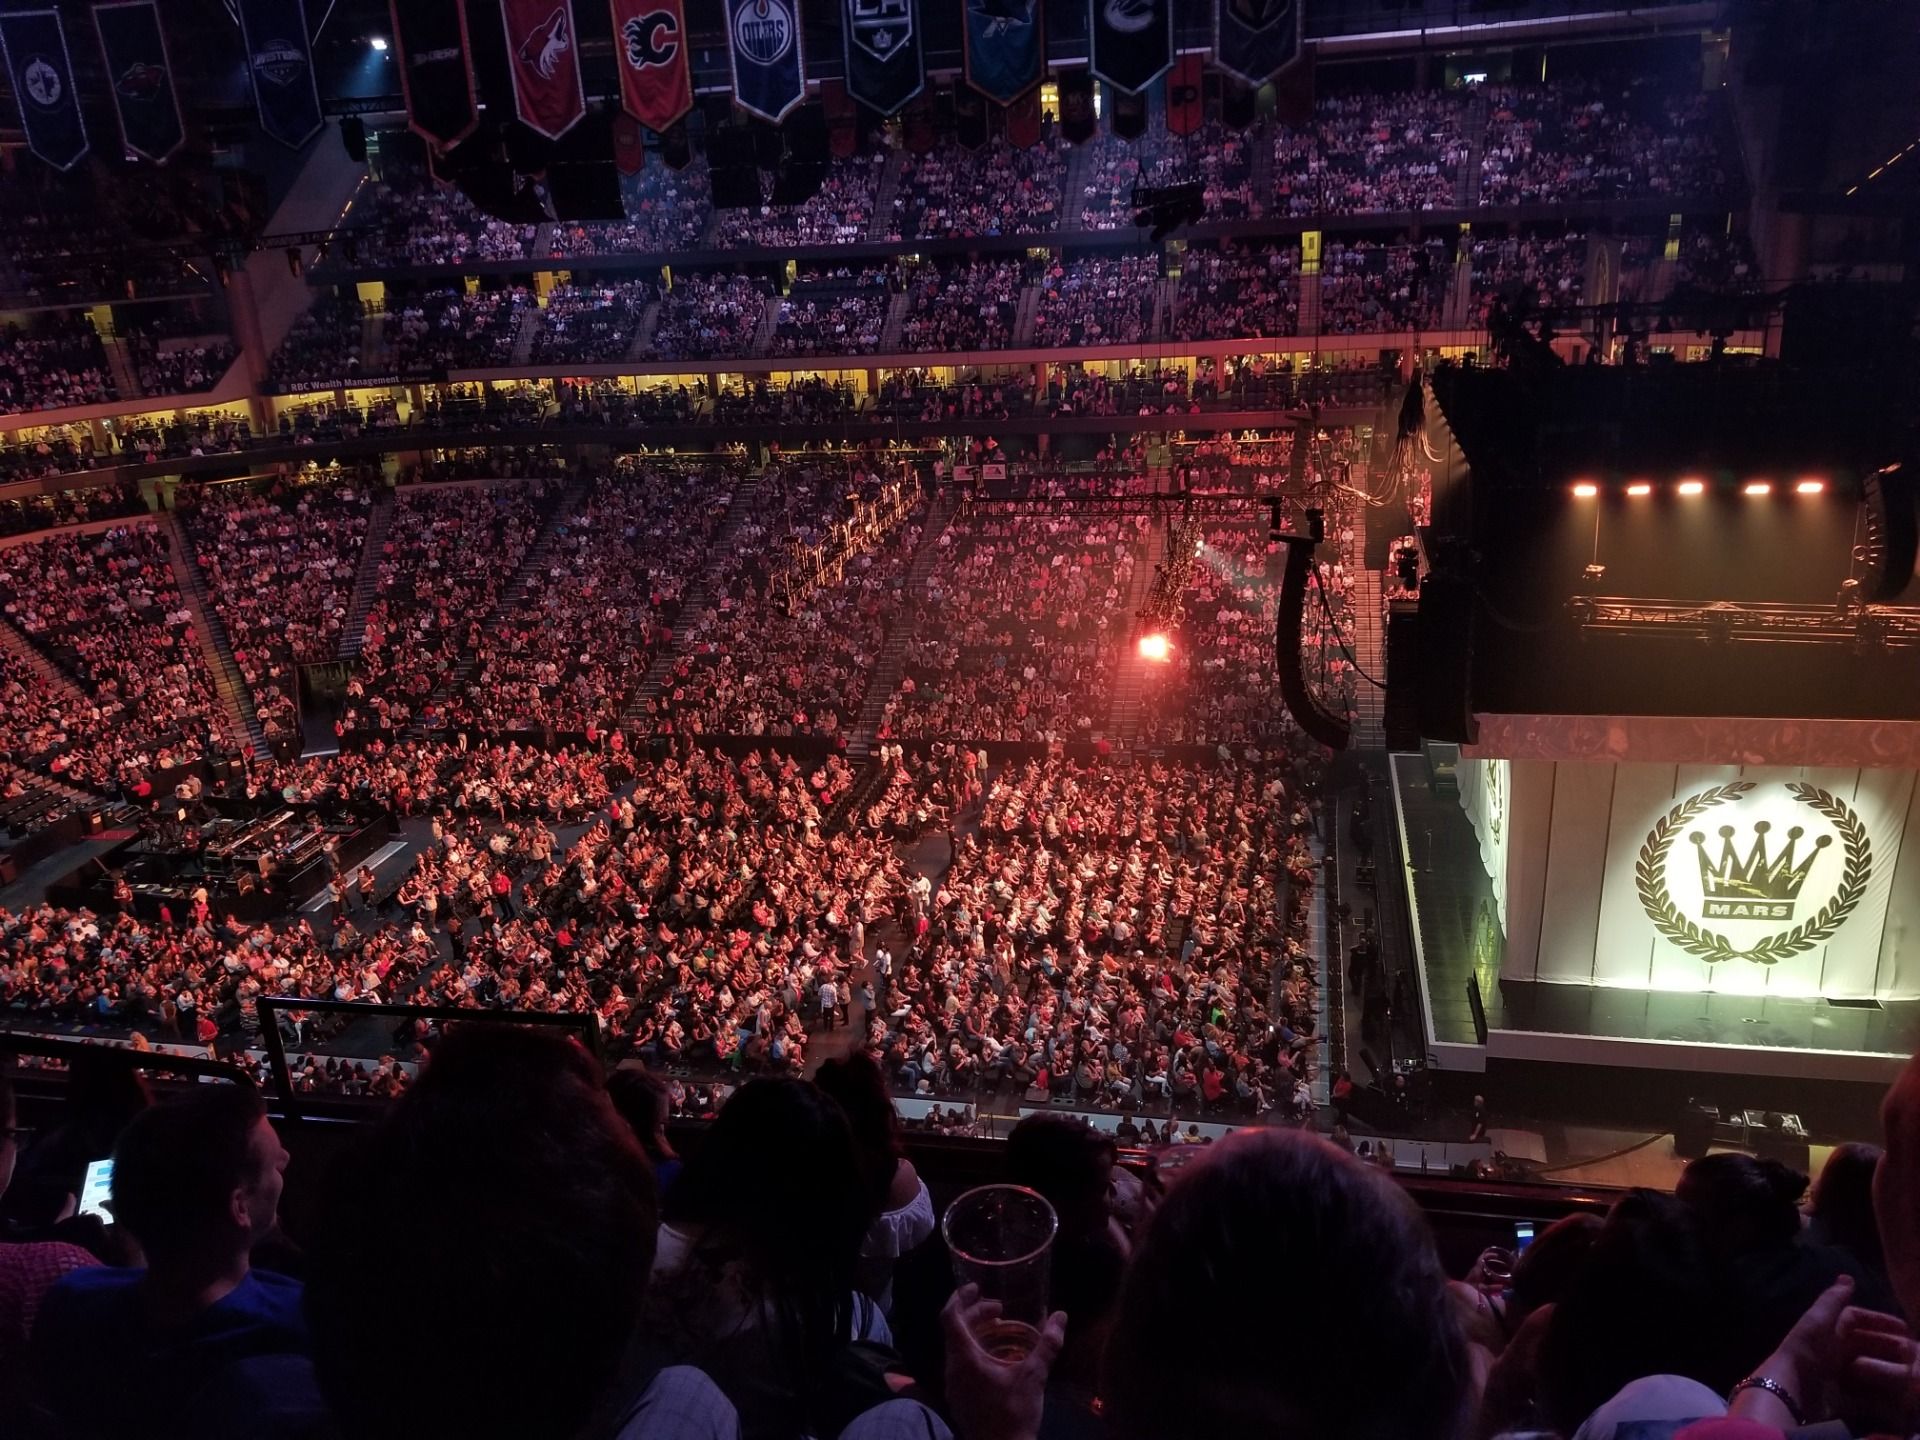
[(1650, 874)]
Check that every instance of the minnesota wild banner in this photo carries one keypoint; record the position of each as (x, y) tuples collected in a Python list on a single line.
[(436, 69), (1005, 53), (280, 67), (769, 70), (135, 49), (1257, 39), (35, 45), (1132, 41), (882, 43)]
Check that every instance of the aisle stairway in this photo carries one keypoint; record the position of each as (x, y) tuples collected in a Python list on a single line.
[(243, 724), (120, 367), (1467, 192), (366, 579), (1459, 293), (896, 319), (693, 609), (1123, 719), (881, 226), (24, 650), (1370, 654), (532, 563), (1023, 317), (891, 661), (769, 322), (1309, 305), (643, 332), (526, 331), (1073, 189)]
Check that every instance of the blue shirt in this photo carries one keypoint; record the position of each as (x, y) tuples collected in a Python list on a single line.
[(238, 1368)]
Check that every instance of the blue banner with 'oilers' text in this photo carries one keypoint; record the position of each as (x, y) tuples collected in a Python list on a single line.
[(135, 49), (769, 71), (280, 67), (1005, 53), (35, 45)]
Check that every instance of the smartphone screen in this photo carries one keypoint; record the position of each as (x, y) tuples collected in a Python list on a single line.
[(1522, 1236), (95, 1190)]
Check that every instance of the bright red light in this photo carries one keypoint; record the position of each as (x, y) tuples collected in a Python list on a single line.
[(1155, 646), (1756, 487), (1810, 487), (1586, 490), (1639, 487)]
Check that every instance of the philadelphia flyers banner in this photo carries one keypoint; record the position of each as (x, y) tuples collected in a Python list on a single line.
[(1132, 41), (769, 71), (650, 52), (1186, 106), (42, 74), (436, 69), (141, 77), (543, 55), (882, 42)]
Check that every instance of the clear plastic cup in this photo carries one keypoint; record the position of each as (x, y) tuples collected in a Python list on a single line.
[(1001, 1239)]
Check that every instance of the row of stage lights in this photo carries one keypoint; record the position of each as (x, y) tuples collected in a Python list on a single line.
[(1755, 489)]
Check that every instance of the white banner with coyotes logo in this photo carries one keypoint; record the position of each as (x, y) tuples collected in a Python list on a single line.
[(1745, 880)]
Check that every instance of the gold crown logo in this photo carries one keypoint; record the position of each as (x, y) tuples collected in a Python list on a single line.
[(1759, 878)]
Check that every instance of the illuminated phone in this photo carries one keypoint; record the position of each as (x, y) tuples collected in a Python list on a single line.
[(96, 1189), (1522, 1236)]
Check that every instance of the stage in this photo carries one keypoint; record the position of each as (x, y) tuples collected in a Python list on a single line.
[(1614, 1053)]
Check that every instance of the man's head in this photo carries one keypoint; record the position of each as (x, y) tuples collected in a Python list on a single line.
[(1270, 1213), (197, 1181), (516, 1202)]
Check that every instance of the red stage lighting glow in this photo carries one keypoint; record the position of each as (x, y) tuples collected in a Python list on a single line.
[(1756, 487), (1810, 487), (1585, 490), (1693, 487), (1155, 646), (1639, 487)]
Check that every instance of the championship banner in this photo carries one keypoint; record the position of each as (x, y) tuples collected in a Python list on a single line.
[(1077, 118), (1256, 39), (280, 68), (135, 49), (436, 69), (650, 51), (1132, 41), (769, 71), (882, 43), (543, 55), (1186, 106), (35, 45), (1004, 52)]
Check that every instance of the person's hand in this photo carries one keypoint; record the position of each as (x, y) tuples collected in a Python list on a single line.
[(1805, 1363), (991, 1400), (1879, 1380)]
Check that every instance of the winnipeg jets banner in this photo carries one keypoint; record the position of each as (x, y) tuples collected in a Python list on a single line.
[(1257, 39), (280, 68), (1004, 52), (141, 77), (769, 72), (650, 52), (882, 43), (1132, 41), (436, 69), (543, 55), (35, 45)]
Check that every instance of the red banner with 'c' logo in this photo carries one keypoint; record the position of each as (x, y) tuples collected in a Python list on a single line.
[(650, 52)]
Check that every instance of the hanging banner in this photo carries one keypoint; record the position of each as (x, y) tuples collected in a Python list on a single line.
[(843, 119), (1257, 39), (1186, 110), (882, 43), (1126, 114), (1077, 118), (436, 69), (280, 68), (629, 146), (543, 54), (135, 49), (1132, 41), (650, 48), (1004, 53), (769, 72), (35, 44), (1023, 121)]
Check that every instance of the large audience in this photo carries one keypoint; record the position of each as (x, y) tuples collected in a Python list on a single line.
[(53, 362)]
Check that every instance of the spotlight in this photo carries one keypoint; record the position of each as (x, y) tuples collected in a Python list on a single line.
[(1593, 575), (1154, 645), (1693, 487), (379, 43), (1756, 487), (1639, 487), (1585, 490), (1810, 487)]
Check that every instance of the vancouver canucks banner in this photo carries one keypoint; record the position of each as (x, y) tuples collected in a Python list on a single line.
[(1004, 52), (543, 56), (1257, 38), (135, 49), (769, 72), (436, 69), (1132, 41), (35, 45), (280, 67), (650, 52), (882, 42)]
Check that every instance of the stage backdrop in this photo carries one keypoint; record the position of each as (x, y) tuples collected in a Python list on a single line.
[(1740, 879), (1485, 787)]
